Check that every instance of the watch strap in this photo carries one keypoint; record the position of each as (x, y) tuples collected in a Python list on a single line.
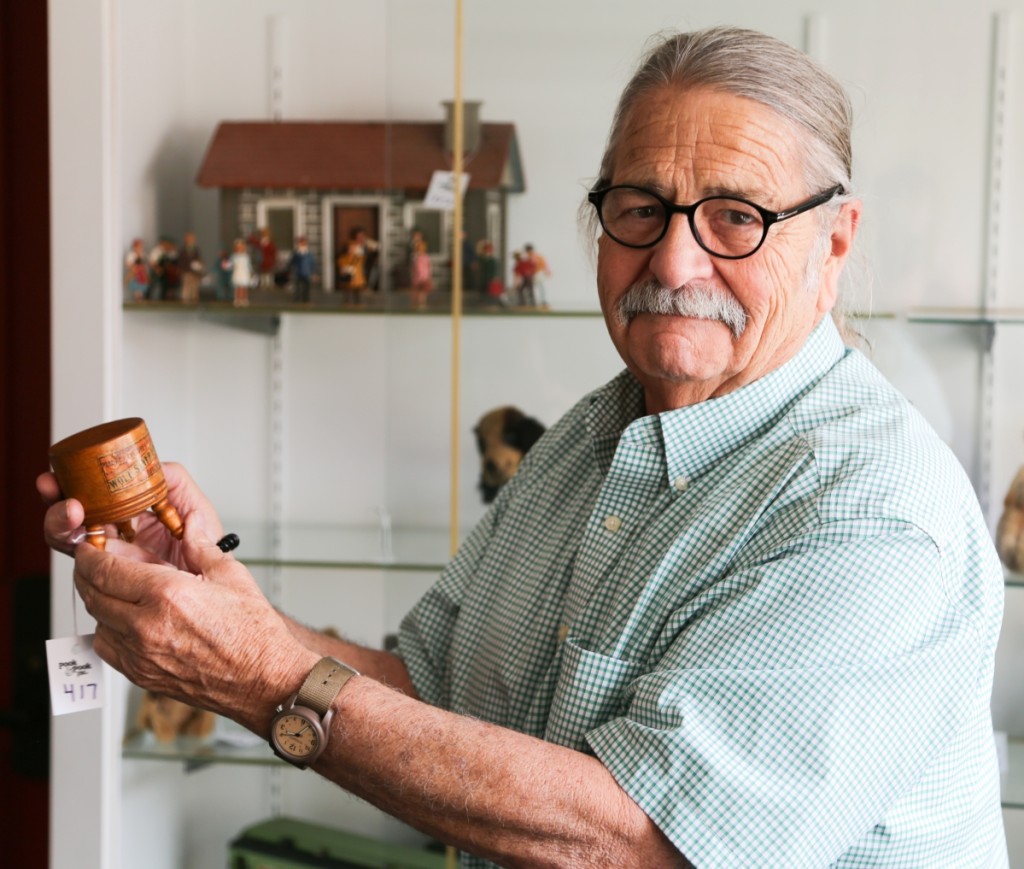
[(323, 684)]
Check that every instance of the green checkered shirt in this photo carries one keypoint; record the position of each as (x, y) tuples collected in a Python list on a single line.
[(771, 615)]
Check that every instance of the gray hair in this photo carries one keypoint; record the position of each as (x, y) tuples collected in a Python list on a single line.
[(750, 64), (759, 67)]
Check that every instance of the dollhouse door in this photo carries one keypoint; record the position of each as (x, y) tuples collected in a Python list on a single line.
[(347, 218)]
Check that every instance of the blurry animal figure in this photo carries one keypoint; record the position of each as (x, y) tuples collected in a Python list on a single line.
[(503, 436), (169, 718), (1010, 530)]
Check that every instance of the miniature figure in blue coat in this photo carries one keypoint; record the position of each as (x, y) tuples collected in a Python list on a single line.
[(303, 266), (136, 271)]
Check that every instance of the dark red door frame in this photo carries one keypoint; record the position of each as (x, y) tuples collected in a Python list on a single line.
[(25, 427)]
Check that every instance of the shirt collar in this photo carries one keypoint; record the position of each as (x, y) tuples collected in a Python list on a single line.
[(697, 436)]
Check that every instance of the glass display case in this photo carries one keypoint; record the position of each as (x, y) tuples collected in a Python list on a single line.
[(336, 436)]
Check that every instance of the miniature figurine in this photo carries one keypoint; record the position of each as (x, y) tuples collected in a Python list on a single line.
[(470, 265), (489, 282), (415, 237), (241, 274), (503, 436), (164, 270), (192, 264), (352, 264), (136, 271), (302, 266), (266, 257), (422, 277), (223, 277), (523, 270), (1010, 530), (541, 270)]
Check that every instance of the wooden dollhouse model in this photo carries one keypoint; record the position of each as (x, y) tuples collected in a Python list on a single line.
[(323, 179)]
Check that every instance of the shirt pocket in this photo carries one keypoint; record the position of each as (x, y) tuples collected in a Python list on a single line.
[(591, 689)]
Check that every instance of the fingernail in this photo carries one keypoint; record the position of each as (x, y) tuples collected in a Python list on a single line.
[(77, 537)]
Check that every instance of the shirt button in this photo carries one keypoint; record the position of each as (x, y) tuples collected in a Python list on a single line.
[(680, 484), (612, 523), (563, 632)]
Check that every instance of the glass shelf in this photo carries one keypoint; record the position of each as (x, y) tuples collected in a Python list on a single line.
[(966, 316), (196, 753), (271, 304), (336, 546), (374, 547), (248, 750), (951, 316)]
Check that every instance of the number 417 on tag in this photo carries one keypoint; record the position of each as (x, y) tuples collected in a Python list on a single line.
[(76, 674)]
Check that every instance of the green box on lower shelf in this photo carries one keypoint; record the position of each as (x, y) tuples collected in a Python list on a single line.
[(287, 843)]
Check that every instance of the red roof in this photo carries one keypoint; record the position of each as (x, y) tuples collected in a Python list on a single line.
[(341, 155)]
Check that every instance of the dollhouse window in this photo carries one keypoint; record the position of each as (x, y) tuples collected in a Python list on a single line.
[(435, 226)]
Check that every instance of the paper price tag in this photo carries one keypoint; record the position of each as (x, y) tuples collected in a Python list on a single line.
[(441, 192), (76, 674)]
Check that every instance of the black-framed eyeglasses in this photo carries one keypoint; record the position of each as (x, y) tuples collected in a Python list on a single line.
[(725, 226)]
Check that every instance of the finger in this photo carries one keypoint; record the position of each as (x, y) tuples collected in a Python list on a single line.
[(63, 527), (133, 551), (48, 487), (107, 644), (113, 588)]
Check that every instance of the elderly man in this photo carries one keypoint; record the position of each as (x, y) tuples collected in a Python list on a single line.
[(739, 606)]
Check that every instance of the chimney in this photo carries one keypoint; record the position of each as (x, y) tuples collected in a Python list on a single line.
[(470, 125)]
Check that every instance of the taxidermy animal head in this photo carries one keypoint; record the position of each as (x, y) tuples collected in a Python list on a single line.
[(503, 436)]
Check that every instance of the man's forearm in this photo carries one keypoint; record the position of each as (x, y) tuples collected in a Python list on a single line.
[(486, 789), (376, 663)]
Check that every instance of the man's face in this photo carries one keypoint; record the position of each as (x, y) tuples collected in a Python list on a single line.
[(686, 145)]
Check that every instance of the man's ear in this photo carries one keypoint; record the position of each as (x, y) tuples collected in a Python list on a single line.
[(842, 235)]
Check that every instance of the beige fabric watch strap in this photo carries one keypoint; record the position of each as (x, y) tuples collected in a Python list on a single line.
[(322, 685)]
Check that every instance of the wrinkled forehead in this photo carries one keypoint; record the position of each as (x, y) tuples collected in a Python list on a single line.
[(703, 141)]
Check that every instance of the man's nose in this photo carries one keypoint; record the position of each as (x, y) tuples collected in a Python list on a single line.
[(677, 258)]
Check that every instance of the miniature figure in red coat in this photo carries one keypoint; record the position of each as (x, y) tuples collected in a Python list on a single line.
[(266, 258), (541, 271), (523, 270), (490, 285)]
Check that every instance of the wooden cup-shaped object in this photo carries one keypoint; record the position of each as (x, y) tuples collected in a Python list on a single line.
[(113, 470)]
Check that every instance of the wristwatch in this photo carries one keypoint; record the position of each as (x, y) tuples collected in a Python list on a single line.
[(301, 727)]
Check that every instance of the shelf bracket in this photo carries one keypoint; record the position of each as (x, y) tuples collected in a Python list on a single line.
[(263, 324)]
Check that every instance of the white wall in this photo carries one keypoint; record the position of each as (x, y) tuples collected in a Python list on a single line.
[(367, 398)]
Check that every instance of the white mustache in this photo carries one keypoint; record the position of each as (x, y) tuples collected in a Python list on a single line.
[(697, 299)]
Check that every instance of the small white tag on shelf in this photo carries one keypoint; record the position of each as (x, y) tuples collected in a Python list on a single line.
[(1002, 751), (441, 192), (76, 674)]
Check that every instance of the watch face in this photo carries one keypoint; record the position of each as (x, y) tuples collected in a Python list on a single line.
[(297, 737)]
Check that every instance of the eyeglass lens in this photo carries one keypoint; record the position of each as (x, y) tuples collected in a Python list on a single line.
[(728, 227)]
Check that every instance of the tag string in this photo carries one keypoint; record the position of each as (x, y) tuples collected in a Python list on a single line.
[(74, 608)]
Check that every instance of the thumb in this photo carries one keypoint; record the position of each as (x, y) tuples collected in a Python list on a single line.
[(201, 554)]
